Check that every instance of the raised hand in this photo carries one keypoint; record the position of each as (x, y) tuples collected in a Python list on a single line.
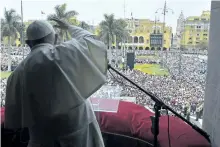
[(60, 24)]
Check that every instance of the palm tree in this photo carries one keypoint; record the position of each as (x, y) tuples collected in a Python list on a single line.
[(121, 31), (84, 25), (10, 25), (111, 27), (108, 28), (62, 14)]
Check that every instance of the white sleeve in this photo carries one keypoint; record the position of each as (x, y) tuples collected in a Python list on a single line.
[(86, 59), (78, 33), (94, 49)]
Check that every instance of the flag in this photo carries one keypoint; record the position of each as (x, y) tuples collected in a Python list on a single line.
[(42, 12)]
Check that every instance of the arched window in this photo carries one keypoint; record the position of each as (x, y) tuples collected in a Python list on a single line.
[(135, 39), (140, 48), (147, 48), (152, 48), (141, 39), (159, 48), (164, 49), (130, 48)]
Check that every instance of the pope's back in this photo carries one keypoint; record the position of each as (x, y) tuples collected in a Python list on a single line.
[(53, 85)]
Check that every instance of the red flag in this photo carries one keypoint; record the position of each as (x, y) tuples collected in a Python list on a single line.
[(42, 12)]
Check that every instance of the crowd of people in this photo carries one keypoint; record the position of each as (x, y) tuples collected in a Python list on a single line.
[(17, 55), (183, 87)]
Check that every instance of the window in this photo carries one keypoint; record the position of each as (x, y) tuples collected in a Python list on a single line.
[(205, 34), (198, 27), (190, 38), (141, 39), (197, 34), (164, 42), (135, 39), (197, 42), (197, 38), (164, 31), (189, 42)]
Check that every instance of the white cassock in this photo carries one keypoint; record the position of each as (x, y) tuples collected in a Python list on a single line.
[(48, 92)]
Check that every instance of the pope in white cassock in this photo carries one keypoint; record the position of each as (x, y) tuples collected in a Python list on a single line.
[(48, 92)]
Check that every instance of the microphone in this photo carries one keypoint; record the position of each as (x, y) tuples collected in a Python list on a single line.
[(157, 107)]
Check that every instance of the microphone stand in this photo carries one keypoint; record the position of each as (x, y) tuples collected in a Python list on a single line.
[(157, 107)]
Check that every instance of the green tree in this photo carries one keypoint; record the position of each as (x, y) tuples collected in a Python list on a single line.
[(121, 31), (10, 25), (112, 29), (63, 14), (108, 28), (84, 25)]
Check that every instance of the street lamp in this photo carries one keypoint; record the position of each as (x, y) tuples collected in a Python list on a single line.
[(165, 10)]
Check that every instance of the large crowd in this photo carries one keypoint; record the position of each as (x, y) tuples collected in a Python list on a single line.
[(17, 55), (183, 87)]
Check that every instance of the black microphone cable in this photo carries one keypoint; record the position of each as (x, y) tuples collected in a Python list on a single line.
[(120, 81)]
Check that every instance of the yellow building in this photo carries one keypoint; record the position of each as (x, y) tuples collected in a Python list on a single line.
[(196, 31), (146, 34)]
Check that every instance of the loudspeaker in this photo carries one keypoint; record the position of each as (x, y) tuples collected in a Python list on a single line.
[(130, 60)]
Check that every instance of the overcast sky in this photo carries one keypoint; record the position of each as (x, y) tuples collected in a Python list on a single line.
[(92, 11)]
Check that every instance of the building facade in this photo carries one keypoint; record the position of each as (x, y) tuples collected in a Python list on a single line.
[(179, 31), (146, 34), (196, 32)]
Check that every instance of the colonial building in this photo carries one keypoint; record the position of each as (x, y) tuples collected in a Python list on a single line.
[(196, 31), (147, 34), (179, 31)]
